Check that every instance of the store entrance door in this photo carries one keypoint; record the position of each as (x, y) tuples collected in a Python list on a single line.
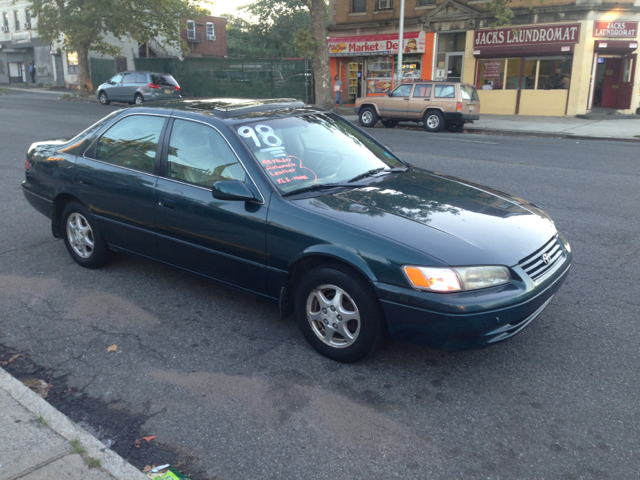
[(454, 63), (614, 82)]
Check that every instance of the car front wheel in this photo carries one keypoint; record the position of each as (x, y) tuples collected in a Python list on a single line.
[(433, 121), (104, 100), (368, 117), (82, 239), (339, 316)]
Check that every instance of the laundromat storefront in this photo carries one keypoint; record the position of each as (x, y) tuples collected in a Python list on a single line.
[(366, 64), (525, 70)]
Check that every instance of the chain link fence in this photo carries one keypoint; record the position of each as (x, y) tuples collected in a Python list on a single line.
[(237, 78)]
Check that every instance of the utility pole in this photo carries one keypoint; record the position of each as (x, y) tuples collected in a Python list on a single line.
[(400, 44)]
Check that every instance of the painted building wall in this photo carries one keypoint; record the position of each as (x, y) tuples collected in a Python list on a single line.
[(208, 48)]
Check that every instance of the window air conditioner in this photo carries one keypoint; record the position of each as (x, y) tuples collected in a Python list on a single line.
[(384, 4), (27, 26), (211, 38), (5, 28)]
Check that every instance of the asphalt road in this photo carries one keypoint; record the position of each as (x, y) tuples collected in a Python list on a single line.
[(234, 392)]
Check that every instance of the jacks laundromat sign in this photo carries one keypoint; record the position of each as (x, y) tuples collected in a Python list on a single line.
[(538, 35), (617, 29)]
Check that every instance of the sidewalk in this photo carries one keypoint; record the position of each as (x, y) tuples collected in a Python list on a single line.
[(564, 127), (37, 442)]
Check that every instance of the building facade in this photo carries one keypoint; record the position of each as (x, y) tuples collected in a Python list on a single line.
[(20, 46), (561, 57), (206, 37)]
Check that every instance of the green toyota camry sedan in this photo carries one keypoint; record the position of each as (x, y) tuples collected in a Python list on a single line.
[(296, 204)]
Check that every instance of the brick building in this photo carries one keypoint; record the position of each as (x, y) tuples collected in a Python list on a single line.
[(562, 57), (206, 37)]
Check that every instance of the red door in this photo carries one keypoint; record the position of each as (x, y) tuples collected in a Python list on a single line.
[(611, 82), (625, 92)]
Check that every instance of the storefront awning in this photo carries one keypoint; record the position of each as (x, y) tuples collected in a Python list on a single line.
[(616, 46)]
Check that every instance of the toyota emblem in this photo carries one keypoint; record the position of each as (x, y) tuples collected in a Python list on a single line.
[(546, 258)]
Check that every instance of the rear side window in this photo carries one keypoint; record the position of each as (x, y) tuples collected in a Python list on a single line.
[(141, 78), (129, 78), (199, 154), (445, 91), (132, 142), (468, 92), (422, 91)]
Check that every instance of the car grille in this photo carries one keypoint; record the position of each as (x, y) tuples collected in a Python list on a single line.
[(535, 265)]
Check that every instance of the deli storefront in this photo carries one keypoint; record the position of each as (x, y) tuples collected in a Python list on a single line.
[(525, 70), (366, 64)]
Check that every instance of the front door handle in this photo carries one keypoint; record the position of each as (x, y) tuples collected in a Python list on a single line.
[(169, 204), (83, 181)]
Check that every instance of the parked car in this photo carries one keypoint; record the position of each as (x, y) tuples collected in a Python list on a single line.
[(436, 104), (297, 205), (138, 87)]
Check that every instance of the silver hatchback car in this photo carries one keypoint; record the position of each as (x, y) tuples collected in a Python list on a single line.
[(138, 87)]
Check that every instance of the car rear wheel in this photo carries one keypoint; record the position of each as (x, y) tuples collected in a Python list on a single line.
[(102, 97), (138, 100), (433, 121), (389, 123), (82, 239), (368, 117), (338, 314), (455, 127)]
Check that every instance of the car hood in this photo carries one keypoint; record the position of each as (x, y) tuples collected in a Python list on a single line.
[(458, 222)]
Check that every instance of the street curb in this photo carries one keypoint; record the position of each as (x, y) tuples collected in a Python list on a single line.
[(111, 462), (563, 136)]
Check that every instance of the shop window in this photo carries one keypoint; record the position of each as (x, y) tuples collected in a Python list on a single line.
[(358, 6), (379, 74), (491, 74), (411, 68), (626, 77), (529, 71), (452, 42), (513, 74), (72, 63)]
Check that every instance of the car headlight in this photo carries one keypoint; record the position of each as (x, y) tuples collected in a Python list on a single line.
[(438, 279)]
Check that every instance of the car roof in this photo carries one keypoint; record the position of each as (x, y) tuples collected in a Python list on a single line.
[(230, 109)]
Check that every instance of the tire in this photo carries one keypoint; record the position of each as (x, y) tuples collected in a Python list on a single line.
[(455, 127), (82, 239), (368, 117), (138, 99), (104, 100), (433, 121), (339, 314), (389, 123)]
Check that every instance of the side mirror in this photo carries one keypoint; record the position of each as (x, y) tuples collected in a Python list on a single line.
[(389, 94), (233, 190), (112, 83)]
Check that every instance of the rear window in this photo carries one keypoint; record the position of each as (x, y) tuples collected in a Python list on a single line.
[(165, 79), (468, 92)]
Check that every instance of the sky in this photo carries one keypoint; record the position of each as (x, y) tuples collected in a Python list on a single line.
[(218, 7)]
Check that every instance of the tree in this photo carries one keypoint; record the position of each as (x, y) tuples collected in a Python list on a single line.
[(310, 38), (83, 25)]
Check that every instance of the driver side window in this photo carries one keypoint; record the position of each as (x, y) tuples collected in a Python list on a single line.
[(199, 154), (117, 79)]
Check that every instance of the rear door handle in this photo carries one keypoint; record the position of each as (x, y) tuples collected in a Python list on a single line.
[(169, 204)]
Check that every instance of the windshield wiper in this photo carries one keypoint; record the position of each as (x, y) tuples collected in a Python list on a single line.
[(374, 171), (320, 186)]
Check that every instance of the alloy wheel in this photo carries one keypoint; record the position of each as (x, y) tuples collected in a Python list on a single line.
[(333, 316), (80, 235), (433, 121), (367, 117)]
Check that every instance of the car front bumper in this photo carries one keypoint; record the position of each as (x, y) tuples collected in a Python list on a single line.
[(356, 110), (494, 314)]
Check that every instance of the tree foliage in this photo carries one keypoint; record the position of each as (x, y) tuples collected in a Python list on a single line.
[(84, 25)]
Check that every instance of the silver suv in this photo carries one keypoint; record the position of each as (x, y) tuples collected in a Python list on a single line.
[(138, 87)]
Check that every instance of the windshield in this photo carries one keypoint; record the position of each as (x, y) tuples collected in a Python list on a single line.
[(309, 150)]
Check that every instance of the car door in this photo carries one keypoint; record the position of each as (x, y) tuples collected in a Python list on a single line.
[(397, 103), (113, 88), (129, 86), (444, 97), (116, 179), (221, 239), (420, 100)]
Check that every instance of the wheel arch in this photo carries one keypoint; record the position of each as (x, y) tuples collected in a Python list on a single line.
[(59, 202), (430, 108), (317, 256), (373, 105)]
